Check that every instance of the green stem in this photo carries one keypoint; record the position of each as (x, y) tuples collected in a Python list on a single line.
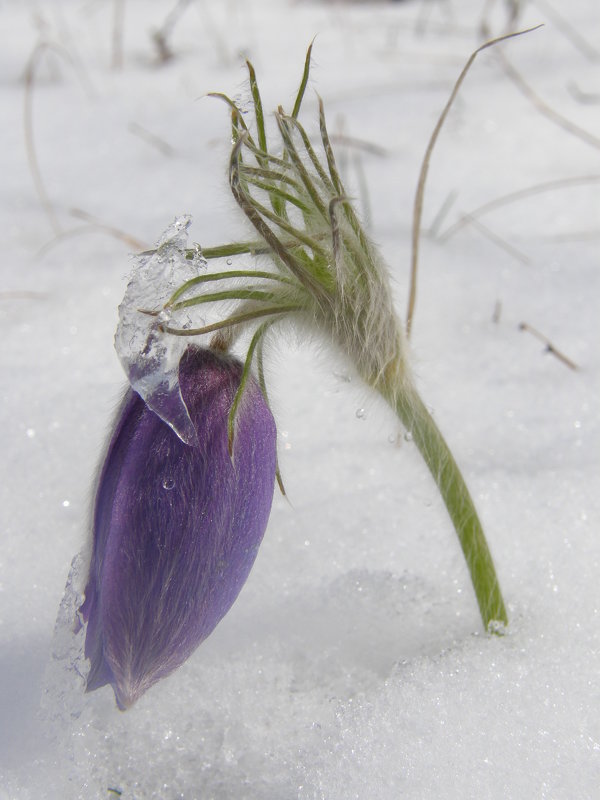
[(428, 438)]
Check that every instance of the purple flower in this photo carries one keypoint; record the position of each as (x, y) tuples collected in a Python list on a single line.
[(176, 527)]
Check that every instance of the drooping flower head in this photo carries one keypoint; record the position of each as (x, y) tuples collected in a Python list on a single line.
[(325, 274), (176, 527), (186, 489)]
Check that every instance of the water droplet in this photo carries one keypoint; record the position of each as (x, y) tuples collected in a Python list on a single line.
[(168, 484), (408, 436), (392, 438), (361, 413), (497, 627), (342, 376), (164, 316), (185, 321), (198, 259), (30, 433), (66, 503), (229, 262)]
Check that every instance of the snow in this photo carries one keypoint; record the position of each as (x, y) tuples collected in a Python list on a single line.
[(353, 664)]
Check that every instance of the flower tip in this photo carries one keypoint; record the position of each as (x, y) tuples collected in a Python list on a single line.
[(126, 696)]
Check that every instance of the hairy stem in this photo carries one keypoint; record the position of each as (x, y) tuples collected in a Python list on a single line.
[(428, 438)]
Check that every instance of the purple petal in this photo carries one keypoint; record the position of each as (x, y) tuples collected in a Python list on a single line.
[(176, 528)]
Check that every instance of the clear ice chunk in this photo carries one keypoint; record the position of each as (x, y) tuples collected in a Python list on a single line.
[(66, 672), (149, 356)]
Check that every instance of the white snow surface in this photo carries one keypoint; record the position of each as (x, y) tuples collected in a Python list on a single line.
[(353, 664)]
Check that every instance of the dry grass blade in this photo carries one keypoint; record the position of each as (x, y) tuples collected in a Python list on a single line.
[(500, 242), (29, 77), (160, 37), (418, 206), (22, 294), (569, 31), (544, 109), (441, 215), (358, 144), (123, 236), (585, 98), (512, 197), (117, 34), (30, 70), (151, 138)]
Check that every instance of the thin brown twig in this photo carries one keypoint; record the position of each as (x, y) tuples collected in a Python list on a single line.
[(550, 348)]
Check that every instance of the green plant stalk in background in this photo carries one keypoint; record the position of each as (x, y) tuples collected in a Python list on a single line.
[(326, 275)]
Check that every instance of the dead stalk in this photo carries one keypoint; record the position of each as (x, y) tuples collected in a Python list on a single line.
[(418, 206), (512, 197), (550, 348)]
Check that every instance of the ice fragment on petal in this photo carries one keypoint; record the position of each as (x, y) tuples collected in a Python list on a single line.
[(150, 357), (66, 672)]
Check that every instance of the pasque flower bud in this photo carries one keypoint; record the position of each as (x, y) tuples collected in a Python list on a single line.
[(176, 527)]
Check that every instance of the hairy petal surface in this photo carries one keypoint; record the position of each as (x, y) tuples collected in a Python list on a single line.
[(176, 527)]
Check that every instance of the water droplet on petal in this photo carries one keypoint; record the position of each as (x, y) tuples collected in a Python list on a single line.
[(229, 262), (30, 433), (361, 413), (408, 436), (342, 376), (168, 484)]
